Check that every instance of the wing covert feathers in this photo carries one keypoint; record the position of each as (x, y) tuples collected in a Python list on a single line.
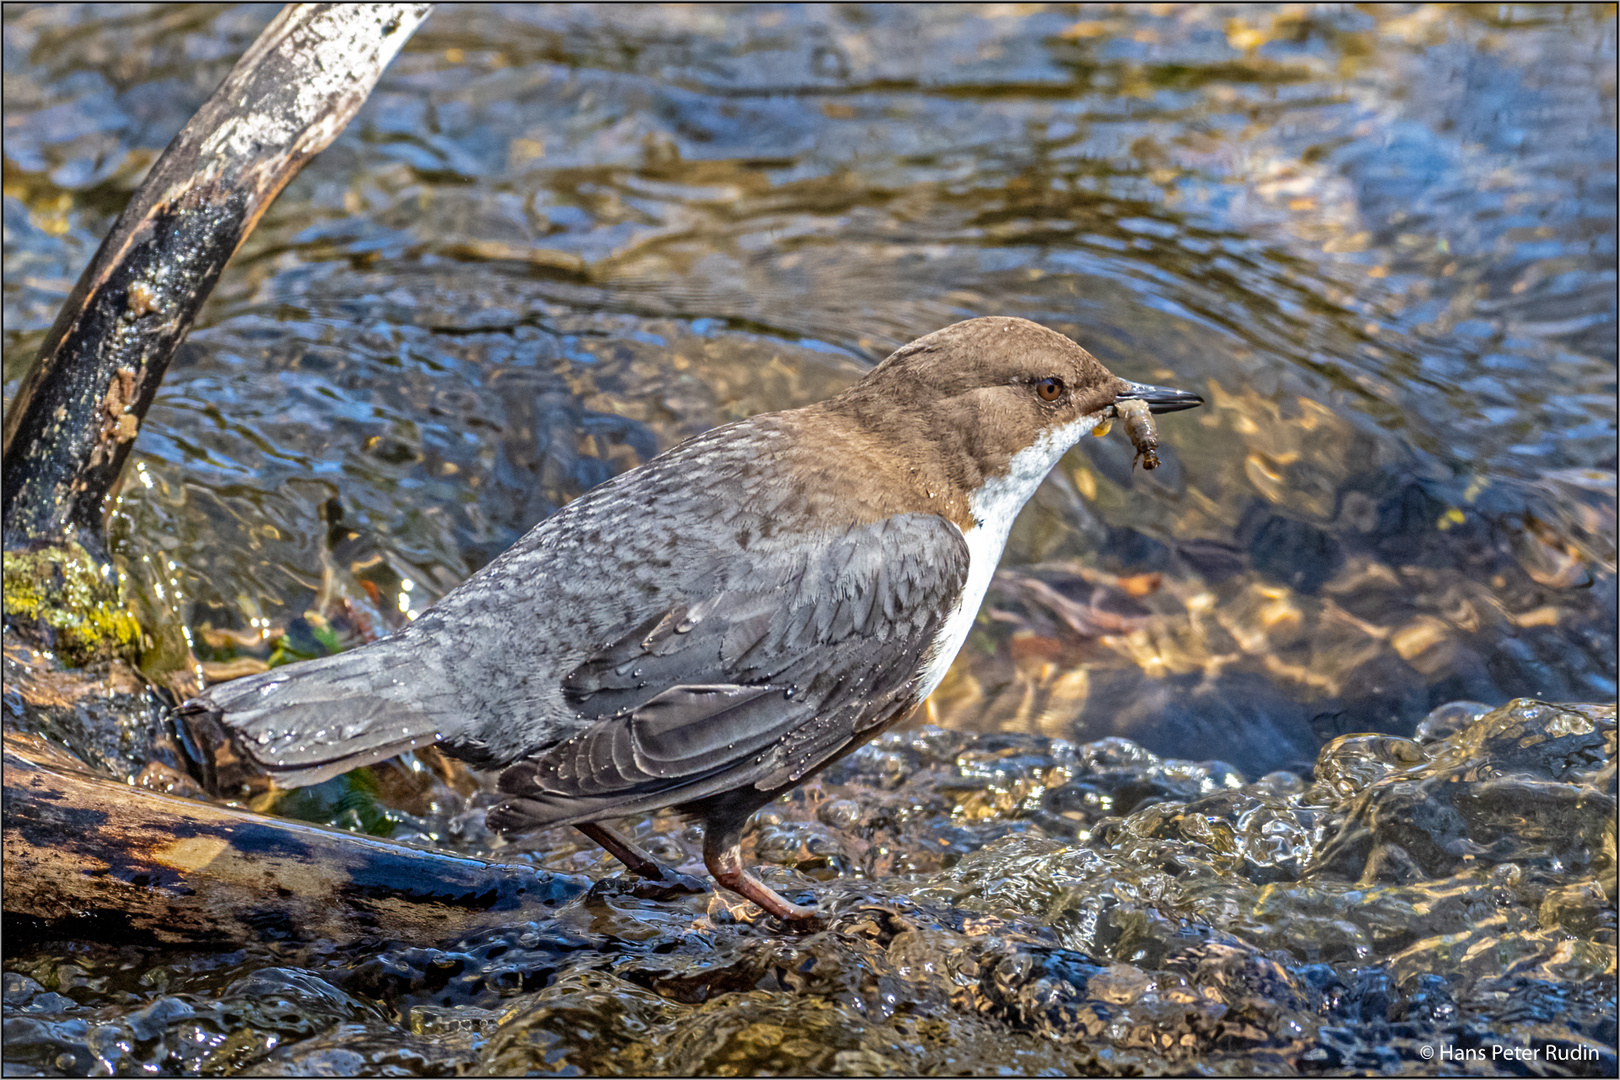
[(754, 686)]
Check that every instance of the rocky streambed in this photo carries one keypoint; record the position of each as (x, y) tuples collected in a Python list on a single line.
[(993, 904)]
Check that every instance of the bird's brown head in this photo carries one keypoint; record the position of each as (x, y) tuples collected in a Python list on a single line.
[(1005, 378), (979, 393)]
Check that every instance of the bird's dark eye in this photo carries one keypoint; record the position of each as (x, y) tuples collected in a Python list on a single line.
[(1049, 389)]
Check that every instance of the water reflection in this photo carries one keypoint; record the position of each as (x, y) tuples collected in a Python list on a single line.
[(1381, 244)]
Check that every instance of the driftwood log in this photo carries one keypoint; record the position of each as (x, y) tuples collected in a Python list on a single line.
[(69, 429), (90, 857)]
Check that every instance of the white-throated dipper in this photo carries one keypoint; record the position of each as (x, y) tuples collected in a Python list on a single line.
[(708, 629)]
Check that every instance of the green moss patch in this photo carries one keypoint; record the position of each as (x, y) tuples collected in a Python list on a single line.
[(60, 598)]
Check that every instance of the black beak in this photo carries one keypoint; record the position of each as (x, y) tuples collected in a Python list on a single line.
[(1160, 399)]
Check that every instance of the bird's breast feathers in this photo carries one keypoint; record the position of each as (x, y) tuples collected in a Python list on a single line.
[(995, 506)]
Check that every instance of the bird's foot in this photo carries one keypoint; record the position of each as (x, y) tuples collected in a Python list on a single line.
[(749, 887), (723, 856), (658, 882), (673, 884)]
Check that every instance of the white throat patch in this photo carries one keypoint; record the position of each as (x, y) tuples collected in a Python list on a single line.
[(994, 508)]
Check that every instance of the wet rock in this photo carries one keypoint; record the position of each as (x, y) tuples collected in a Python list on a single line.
[(1299, 555), (1530, 783)]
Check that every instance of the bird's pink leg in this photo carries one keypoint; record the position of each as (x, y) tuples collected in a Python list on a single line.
[(639, 862), (722, 854)]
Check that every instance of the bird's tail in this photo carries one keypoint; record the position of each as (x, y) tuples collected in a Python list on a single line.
[(305, 723)]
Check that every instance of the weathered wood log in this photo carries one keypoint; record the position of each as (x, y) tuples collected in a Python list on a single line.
[(85, 856), (76, 413)]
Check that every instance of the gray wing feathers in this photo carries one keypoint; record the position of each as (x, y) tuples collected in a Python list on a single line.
[(778, 608), (806, 647)]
